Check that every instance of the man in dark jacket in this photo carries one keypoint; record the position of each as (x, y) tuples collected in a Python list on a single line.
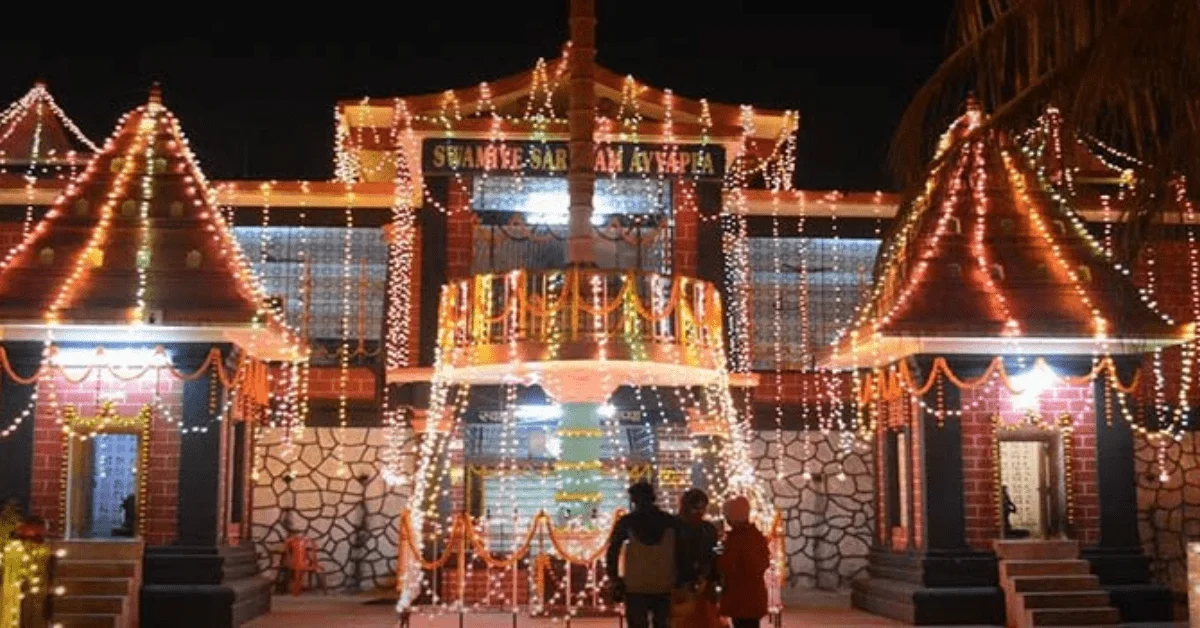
[(653, 561)]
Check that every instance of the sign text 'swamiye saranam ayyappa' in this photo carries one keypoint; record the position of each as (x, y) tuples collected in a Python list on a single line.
[(552, 158)]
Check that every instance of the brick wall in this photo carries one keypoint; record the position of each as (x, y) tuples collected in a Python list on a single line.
[(324, 383), (979, 485), (460, 230), (687, 229), (801, 387), (10, 235), (49, 451)]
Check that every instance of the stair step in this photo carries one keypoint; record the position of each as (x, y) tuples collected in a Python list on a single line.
[(1026, 584), (87, 620), (71, 568), (1065, 599), (1011, 568), (1036, 550), (94, 586), (101, 550), (102, 604), (1104, 616)]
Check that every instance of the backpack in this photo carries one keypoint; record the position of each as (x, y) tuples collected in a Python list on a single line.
[(650, 569)]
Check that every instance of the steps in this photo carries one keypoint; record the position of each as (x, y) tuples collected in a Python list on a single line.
[(100, 581), (1046, 584)]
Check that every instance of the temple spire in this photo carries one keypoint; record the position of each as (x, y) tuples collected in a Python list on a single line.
[(581, 177)]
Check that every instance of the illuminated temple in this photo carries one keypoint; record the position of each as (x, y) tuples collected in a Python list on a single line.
[(435, 374)]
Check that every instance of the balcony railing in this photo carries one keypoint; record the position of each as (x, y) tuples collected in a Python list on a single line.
[(574, 314)]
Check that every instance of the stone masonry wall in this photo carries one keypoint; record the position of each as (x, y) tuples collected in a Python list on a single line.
[(1168, 510), (327, 502), (828, 518)]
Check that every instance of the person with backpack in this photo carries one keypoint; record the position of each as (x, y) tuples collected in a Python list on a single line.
[(744, 560), (653, 560)]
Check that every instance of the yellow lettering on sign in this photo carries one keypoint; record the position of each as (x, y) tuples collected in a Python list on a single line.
[(602, 160), (560, 159), (439, 156), (639, 161)]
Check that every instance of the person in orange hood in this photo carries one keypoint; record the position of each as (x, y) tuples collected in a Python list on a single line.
[(743, 563)]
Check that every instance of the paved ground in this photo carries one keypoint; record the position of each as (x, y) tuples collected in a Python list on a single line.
[(334, 611), (314, 611)]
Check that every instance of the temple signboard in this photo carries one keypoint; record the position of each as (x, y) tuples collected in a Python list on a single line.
[(533, 158)]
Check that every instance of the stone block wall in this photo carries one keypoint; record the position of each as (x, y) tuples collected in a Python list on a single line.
[(351, 522), (828, 517), (1168, 509)]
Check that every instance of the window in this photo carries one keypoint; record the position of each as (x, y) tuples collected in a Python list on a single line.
[(834, 272), (282, 276), (523, 223)]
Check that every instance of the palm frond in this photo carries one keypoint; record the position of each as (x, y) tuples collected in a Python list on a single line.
[(1127, 71)]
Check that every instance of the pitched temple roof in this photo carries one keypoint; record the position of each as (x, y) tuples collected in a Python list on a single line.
[(35, 131), (539, 95), (134, 241), (533, 105), (986, 260)]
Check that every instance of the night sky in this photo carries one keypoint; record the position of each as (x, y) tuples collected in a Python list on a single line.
[(256, 94)]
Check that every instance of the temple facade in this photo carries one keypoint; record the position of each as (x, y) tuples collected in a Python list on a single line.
[(925, 385)]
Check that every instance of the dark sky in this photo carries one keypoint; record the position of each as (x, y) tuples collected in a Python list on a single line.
[(256, 94)]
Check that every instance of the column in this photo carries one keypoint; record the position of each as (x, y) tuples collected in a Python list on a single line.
[(1117, 484), (16, 450), (1118, 559), (199, 453), (579, 465), (940, 504), (460, 229), (581, 106), (431, 225)]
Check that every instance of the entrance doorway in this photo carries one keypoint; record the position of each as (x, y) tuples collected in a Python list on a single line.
[(105, 457), (1032, 484)]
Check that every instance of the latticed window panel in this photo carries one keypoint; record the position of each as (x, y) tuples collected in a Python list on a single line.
[(499, 248), (283, 275), (523, 223), (815, 286)]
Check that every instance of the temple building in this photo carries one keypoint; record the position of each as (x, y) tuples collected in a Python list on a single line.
[(1017, 399), (38, 139), (136, 340), (922, 391)]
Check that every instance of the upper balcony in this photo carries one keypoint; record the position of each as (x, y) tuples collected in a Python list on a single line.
[(574, 329)]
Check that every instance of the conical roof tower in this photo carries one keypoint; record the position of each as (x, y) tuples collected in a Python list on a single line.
[(34, 130), (135, 241), (987, 260)]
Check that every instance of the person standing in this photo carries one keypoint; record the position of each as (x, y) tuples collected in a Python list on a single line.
[(695, 601), (652, 559), (743, 563)]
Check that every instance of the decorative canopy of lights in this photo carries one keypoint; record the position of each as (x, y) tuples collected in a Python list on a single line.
[(136, 241), (990, 259), (34, 132)]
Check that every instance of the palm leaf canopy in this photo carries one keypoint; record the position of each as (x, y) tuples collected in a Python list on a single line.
[(1125, 71)]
